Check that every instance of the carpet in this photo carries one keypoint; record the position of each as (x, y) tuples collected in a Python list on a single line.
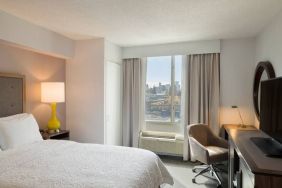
[(182, 174)]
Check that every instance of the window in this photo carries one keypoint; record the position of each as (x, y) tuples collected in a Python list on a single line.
[(163, 98)]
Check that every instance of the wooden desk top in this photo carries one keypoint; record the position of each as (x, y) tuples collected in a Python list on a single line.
[(254, 158), (238, 127)]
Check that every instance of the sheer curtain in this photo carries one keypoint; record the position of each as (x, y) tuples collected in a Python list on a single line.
[(133, 108), (200, 102)]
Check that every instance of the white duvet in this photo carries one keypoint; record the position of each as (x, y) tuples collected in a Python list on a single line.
[(67, 164)]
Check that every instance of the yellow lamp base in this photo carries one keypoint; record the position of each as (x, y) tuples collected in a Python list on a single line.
[(54, 123)]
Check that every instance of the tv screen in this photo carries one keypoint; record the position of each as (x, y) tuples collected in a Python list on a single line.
[(271, 108)]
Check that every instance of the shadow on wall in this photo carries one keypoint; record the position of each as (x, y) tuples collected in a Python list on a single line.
[(49, 70), (37, 68)]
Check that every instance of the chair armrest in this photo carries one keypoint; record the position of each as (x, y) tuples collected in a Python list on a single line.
[(220, 142), (198, 151)]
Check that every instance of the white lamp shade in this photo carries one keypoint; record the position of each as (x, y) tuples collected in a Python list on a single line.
[(52, 92)]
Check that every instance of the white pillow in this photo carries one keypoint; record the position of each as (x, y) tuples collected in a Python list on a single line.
[(13, 117), (19, 131)]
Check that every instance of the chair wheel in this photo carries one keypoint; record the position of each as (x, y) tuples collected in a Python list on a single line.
[(193, 180), (219, 186)]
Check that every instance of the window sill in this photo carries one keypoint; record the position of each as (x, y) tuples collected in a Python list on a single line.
[(162, 123)]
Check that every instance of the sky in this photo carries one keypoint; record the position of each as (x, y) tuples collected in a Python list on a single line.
[(159, 70)]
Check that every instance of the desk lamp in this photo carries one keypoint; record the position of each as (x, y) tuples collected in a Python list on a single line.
[(242, 123)]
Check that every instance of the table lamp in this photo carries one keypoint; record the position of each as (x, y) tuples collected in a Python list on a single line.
[(53, 93), (242, 123)]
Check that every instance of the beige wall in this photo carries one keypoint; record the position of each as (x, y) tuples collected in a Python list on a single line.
[(269, 44), (85, 92), (236, 79), (36, 68)]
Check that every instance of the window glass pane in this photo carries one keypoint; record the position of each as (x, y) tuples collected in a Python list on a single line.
[(177, 87), (158, 89)]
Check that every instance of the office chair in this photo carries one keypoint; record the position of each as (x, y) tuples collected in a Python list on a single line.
[(207, 148)]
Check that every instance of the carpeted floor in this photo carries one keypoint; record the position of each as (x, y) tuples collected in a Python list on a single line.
[(182, 174)]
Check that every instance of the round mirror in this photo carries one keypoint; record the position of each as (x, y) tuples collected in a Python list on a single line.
[(263, 71), (263, 77)]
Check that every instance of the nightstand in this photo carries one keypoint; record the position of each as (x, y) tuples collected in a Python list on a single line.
[(62, 135)]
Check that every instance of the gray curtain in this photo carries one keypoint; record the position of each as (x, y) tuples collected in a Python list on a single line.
[(132, 108), (201, 93)]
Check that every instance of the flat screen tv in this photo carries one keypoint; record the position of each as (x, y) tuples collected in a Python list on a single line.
[(271, 108)]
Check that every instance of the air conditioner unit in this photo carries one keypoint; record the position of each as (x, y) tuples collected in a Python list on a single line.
[(162, 142)]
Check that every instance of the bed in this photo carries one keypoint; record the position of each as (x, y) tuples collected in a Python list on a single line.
[(68, 164)]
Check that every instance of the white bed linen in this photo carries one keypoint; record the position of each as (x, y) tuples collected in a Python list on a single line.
[(67, 164)]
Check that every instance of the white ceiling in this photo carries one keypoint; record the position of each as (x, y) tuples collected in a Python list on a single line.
[(141, 22)]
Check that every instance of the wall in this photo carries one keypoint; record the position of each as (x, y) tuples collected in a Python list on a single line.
[(94, 92), (113, 52), (22, 33), (85, 92), (181, 48), (236, 79), (36, 67), (113, 91), (269, 45)]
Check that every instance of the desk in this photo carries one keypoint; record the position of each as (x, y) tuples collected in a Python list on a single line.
[(226, 127), (247, 162)]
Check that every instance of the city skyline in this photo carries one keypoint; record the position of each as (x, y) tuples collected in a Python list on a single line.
[(156, 84)]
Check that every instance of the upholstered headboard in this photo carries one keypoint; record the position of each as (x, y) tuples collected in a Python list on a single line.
[(12, 94)]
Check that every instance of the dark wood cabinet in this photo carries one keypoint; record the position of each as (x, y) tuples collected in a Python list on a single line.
[(249, 167), (62, 135)]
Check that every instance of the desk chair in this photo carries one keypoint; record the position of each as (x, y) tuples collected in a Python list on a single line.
[(207, 148)]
